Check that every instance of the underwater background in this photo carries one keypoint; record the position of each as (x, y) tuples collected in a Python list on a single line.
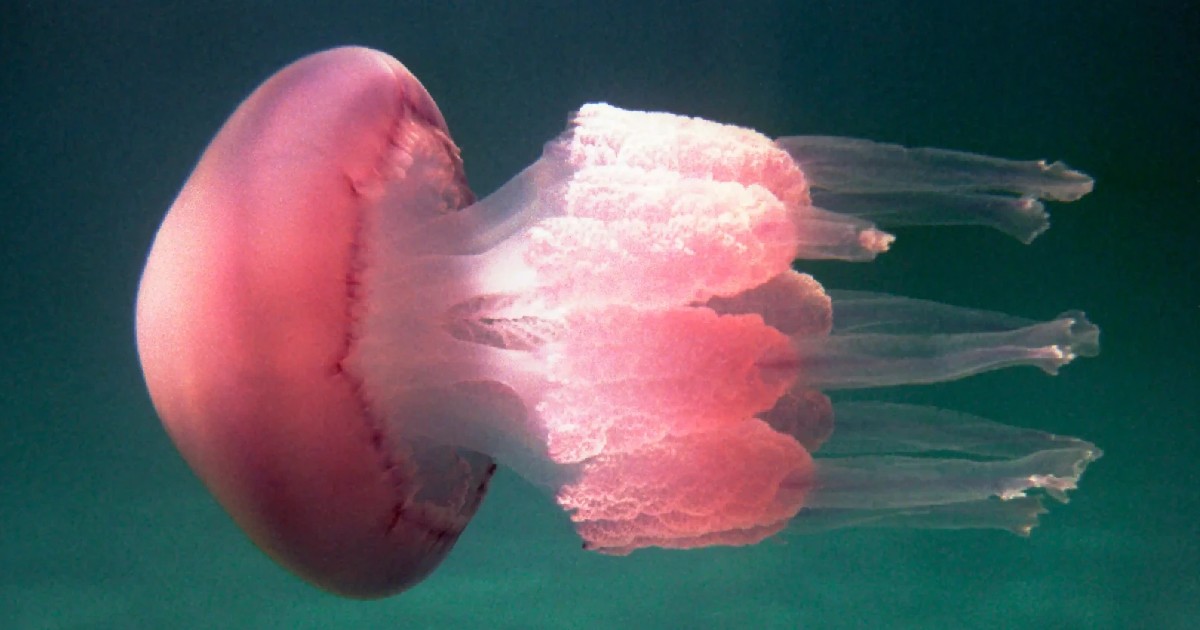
[(106, 106)]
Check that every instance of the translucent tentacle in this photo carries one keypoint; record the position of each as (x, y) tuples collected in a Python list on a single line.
[(884, 313), (852, 165), (903, 465), (881, 340), (1023, 218), (1018, 515)]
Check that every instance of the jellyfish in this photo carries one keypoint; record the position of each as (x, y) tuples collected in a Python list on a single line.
[(344, 343)]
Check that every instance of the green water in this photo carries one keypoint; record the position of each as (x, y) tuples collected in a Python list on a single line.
[(106, 108)]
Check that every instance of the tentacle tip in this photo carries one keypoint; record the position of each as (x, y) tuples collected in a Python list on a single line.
[(1072, 184), (1084, 336), (1009, 494), (875, 241), (1051, 358), (1035, 215)]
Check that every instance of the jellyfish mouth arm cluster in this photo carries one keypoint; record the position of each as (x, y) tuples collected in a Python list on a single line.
[(634, 291), (343, 342)]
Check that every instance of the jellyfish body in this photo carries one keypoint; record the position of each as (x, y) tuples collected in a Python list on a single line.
[(341, 340), (244, 318)]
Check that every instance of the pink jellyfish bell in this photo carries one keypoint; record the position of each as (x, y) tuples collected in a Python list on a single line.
[(340, 339)]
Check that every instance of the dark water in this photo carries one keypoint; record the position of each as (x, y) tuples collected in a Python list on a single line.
[(104, 107)]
